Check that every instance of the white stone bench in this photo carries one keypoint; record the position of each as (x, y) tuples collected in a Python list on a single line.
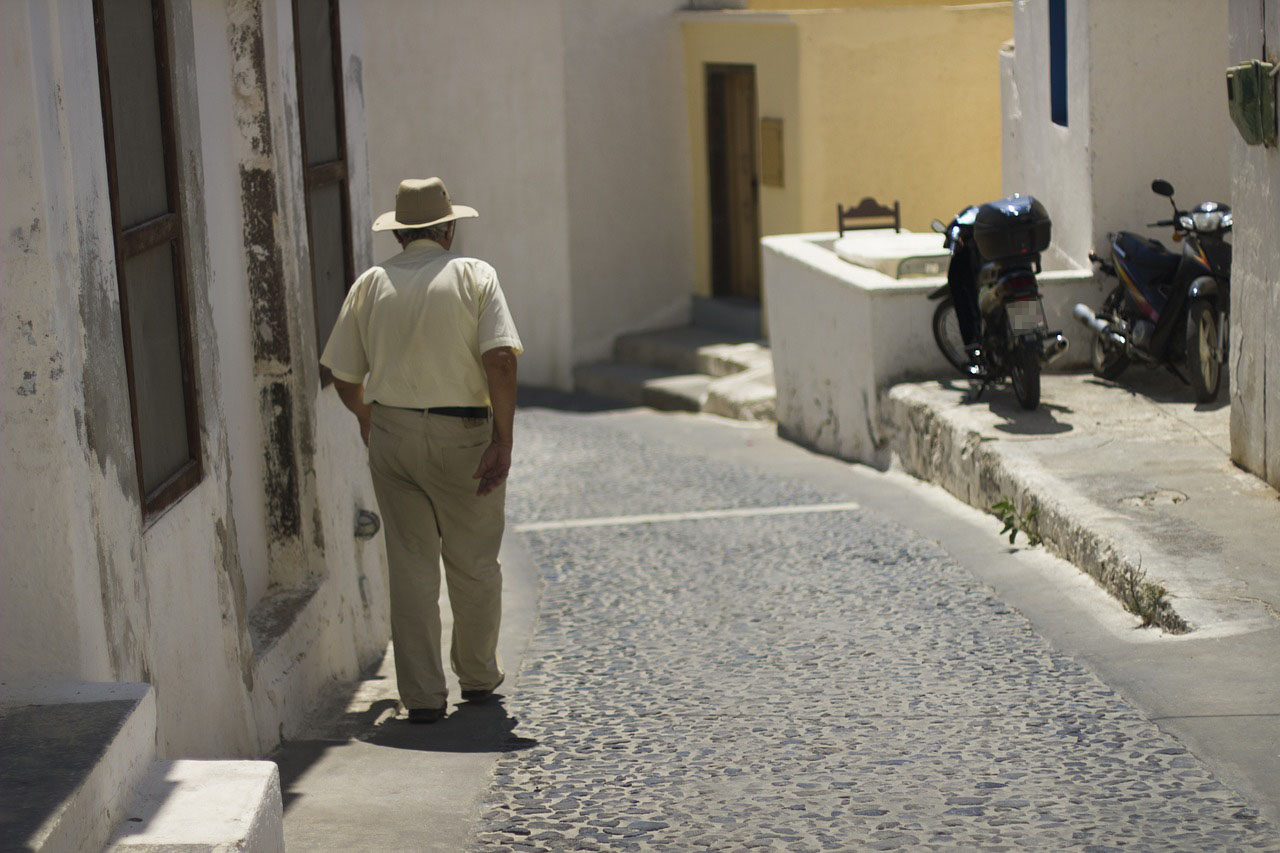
[(842, 333)]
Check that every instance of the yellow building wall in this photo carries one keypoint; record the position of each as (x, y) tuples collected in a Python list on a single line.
[(897, 101), (908, 109)]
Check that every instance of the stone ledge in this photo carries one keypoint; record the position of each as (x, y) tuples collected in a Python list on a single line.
[(72, 752), (205, 805), (933, 447)]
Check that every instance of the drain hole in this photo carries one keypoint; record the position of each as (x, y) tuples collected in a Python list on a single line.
[(1159, 497)]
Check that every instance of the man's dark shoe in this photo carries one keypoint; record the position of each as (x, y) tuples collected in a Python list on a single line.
[(427, 715), (481, 695)]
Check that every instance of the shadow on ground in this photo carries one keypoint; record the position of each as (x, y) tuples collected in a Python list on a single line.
[(363, 713), (1016, 420), (1162, 386), (469, 728), (529, 396)]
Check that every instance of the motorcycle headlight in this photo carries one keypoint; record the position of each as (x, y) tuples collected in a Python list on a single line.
[(1187, 223), (1206, 221)]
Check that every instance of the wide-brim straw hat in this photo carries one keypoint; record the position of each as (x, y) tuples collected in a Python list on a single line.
[(421, 203)]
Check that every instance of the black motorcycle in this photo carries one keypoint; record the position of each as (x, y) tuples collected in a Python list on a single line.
[(1169, 308), (990, 324)]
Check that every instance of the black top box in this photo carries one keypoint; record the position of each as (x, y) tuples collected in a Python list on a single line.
[(1012, 228)]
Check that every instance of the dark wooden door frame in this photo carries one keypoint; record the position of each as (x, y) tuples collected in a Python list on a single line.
[(734, 244)]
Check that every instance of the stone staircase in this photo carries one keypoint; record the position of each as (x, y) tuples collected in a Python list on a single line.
[(721, 369), (80, 772)]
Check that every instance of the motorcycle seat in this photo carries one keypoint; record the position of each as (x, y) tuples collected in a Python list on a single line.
[(1146, 259)]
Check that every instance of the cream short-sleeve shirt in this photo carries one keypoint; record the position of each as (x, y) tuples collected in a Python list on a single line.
[(416, 326)]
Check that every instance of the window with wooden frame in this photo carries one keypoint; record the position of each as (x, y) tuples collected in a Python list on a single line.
[(134, 68), (324, 154)]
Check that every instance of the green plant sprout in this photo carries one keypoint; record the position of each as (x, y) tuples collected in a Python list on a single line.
[(1026, 524)]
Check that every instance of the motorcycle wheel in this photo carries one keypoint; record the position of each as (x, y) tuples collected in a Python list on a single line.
[(946, 333), (1109, 361), (1203, 367), (1024, 372)]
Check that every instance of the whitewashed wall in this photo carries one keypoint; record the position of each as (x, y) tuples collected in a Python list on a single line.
[(1255, 274), (1145, 100), (627, 150), (839, 333), (1041, 158), (562, 121), (475, 93), (1159, 109)]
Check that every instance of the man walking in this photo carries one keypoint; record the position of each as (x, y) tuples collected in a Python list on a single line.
[(431, 331)]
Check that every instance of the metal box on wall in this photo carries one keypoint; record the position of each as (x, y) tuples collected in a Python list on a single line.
[(1251, 96)]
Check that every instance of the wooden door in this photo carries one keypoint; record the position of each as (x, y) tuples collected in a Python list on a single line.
[(734, 181)]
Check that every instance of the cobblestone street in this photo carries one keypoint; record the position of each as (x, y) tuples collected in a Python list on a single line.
[(800, 674)]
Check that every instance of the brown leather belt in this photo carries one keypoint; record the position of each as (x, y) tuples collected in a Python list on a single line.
[(477, 412)]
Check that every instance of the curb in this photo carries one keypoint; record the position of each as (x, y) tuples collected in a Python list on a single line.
[(931, 447)]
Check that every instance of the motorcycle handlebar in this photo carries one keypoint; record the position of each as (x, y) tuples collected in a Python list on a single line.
[(1161, 224)]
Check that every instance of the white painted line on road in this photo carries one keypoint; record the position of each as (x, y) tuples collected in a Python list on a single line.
[(743, 512)]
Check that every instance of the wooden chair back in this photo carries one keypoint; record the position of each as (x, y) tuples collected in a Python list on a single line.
[(869, 213)]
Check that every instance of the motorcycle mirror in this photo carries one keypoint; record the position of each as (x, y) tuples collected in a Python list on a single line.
[(1160, 187), (937, 225)]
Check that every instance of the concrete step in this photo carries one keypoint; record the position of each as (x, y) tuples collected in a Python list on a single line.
[(641, 385), (72, 753), (204, 806), (746, 396), (689, 349)]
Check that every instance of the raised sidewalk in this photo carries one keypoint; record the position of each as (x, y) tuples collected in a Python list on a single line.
[(1130, 481)]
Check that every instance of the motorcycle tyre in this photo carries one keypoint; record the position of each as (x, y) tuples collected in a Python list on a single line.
[(1109, 365), (1203, 368), (1024, 375), (951, 346)]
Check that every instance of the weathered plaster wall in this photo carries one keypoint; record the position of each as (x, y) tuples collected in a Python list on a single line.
[(1254, 31), (51, 616), (630, 248), (230, 298), (90, 590), (1138, 109), (487, 114)]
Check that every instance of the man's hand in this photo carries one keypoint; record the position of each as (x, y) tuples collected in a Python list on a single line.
[(500, 371), (493, 468), (352, 396)]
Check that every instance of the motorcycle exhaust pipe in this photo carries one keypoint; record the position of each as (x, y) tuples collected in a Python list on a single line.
[(1054, 347), (1086, 316)]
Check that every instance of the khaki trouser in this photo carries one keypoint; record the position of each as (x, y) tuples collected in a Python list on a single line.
[(422, 466)]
